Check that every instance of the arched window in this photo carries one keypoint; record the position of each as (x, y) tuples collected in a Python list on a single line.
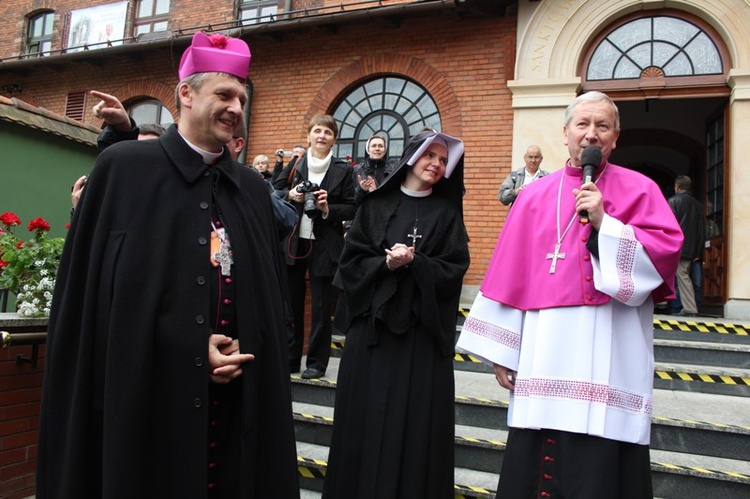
[(653, 47), (39, 39), (389, 106), (150, 111)]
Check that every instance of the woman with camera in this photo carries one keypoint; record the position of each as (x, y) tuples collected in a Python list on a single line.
[(322, 189)]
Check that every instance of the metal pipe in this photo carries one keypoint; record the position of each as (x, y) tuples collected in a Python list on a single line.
[(19, 339)]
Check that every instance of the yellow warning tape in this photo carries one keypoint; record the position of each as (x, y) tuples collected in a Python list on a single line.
[(701, 327), (703, 471), (659, 374), (704, 378), (684, 325), (316, 470)]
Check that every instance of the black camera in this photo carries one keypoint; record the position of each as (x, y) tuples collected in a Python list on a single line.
[(308, 188)]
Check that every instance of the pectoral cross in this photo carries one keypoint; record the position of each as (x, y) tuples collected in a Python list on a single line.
[(414, 236), (554, 257), (224, 257)]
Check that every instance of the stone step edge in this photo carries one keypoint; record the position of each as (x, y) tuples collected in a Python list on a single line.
[(499, 445), (679, 372), (500, 404), (316, 469)]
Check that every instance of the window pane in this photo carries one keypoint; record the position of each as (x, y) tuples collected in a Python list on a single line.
[(143, 28), (704, 55), (603, 61), (267, 12), (641, 55), (679, 66), (146, 8), (49, 23), (162, 7), (626, 69), (36, 27), (166, 117), (144, 113), (674, 30), (663, 52), (630, 34), (160, 26)]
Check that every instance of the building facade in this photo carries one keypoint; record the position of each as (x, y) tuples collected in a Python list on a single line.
[(497, 73)]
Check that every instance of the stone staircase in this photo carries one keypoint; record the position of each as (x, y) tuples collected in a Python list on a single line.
[(700, 434)]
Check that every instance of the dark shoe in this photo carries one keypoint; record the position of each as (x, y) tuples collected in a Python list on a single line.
[(687, 314), (312, 373)]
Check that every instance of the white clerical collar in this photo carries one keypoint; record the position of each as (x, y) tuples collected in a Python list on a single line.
[(208, 157), (416, 194)]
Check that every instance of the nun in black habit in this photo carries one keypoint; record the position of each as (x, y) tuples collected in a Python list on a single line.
[(401, 272)]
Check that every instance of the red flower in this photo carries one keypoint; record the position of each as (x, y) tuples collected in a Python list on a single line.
[(218, 40), (39, 225), (3, 263), (19, 244), (67, 225), (10, 219)]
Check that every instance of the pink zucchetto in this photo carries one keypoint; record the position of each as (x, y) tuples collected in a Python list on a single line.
[(215, 53)]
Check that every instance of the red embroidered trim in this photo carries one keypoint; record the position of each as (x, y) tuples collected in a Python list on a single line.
[(626, 264), (583, 391), (506, 337)]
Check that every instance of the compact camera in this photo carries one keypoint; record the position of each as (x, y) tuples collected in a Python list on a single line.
[(308, 188)]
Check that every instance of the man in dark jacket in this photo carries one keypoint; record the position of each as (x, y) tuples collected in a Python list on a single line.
[(166, 373), (689, 214)]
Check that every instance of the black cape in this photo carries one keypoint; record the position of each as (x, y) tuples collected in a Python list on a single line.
[(125, 396), (394, 419)]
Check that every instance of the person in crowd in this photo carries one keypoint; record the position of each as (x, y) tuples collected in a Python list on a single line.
[(401, 272), (297, 152), (518, 179), (565, 317), (166, 373), (322, 189), (691, 217), (374, 169), (260, 163)]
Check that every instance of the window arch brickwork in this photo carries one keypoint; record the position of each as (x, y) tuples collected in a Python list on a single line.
[(372, 66)]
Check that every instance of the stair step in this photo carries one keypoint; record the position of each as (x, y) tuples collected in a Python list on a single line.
[(706, 379), (730, 355), (686, 481), (700, 430)]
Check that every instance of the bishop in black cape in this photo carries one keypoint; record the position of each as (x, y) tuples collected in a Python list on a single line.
[(126, 388), (393, 432)]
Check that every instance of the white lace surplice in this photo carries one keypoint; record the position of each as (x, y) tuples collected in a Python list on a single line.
[(581, 369)]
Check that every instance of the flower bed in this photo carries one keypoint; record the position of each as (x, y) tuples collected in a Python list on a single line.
[(29, 268)]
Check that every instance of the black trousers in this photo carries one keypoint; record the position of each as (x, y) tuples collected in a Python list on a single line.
[(564, 465), (322, 296)]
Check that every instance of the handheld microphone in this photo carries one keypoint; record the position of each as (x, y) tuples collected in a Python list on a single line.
[(591, 158)]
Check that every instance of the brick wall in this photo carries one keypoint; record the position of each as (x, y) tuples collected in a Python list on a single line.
[(464, 64), (20, 394)]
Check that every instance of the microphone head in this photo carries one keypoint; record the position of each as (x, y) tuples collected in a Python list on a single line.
[(591, 156)]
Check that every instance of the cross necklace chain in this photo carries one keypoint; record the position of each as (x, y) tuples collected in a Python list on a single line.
[(557, 255)]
